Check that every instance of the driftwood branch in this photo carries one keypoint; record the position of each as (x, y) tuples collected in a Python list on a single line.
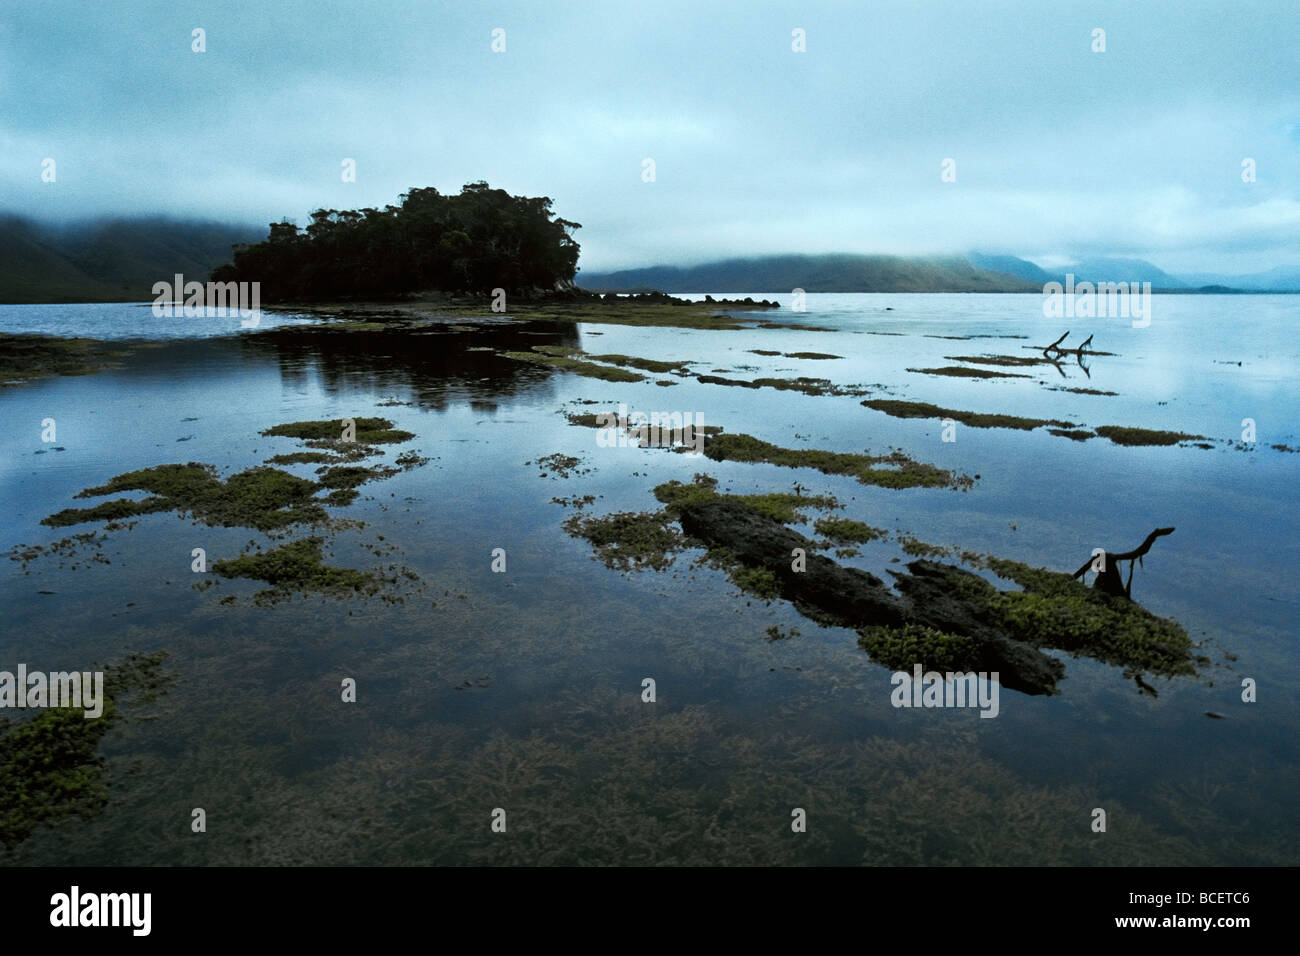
[(1108, 578), (1055, 347)]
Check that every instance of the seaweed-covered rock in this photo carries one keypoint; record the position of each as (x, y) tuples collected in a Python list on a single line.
[(941, 598), (833, 593)]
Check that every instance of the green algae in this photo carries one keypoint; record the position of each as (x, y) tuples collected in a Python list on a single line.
[(901, 648), (116, 510), (1120, 435), (630, 541), (410, 460), (589, 419), (1080, 391), (296, 566), (304, 458), (1055, 610), (1078, 434), (577, 366), (351, 476), (902, 471), (263, 498), (753, 580), (50, 766), (559, 464), (785, 507), (1012, 361), (24, 357), (846, 530), (610, 420), (961, 371), (902, 409), (920, 549), (1123, 435), (808, 386), (369, 431), (646, 365)]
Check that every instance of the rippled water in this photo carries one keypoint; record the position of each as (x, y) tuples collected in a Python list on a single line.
[(522, 690)]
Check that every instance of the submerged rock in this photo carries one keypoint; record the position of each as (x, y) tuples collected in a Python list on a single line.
[(944, 614)]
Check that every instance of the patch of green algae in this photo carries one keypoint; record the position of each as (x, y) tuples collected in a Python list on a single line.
[(1056, 610), (376, 431), (646, 365), (1001, 360), (900, 648), (304, 458), (1122, 435), (630, 541), (262, 498), (785, 507), (24, 357), (846, 530), (961, 371), (50, 766), (902, 471), (297, 566), (1079, 434), (577, 366), (901, 409)]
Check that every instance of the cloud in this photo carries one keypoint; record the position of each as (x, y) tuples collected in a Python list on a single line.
[(1059, 150)]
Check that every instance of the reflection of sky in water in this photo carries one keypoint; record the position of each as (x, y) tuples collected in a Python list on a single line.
[(131, 320), (564, 642)]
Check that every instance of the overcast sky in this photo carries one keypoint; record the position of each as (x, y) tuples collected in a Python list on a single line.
[(1060, 152)]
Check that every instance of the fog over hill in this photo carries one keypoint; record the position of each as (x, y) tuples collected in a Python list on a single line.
[(112, 259), (976, 272)]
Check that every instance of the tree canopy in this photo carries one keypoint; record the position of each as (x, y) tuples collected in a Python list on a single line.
[(479, 240)]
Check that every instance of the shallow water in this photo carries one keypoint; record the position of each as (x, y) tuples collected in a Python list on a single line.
[(522, 690)]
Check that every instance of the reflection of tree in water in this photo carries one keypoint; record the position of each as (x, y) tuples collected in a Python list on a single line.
[(436, 365)]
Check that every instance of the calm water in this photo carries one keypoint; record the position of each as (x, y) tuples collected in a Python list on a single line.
[(522, 690)]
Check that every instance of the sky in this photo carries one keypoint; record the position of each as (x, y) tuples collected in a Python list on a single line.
[(1060, 152)]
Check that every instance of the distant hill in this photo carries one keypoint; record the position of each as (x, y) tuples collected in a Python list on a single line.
[(1020, 268), (1279, 279), (110, 260), (1122, 270), (824, 273), (1089, 270)]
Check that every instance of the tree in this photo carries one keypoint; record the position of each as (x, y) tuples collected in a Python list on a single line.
[(479, 240)]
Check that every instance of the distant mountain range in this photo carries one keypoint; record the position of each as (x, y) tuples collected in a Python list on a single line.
[(120, 259), (976, 272), (825, 273), (111, 260)]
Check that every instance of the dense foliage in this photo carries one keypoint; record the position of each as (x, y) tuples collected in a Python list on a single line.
[(480, 240)]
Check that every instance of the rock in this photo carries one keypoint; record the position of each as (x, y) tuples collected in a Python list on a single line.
[(850, 597)]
